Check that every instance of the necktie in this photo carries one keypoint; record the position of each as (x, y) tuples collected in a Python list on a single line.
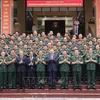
[(21, 58), (31, 59), (52, 56)]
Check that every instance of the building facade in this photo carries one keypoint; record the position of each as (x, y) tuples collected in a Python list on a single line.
[(21, 17)]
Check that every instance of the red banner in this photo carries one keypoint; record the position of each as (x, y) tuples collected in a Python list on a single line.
[(98, 17), (5, 21), (54, 3)]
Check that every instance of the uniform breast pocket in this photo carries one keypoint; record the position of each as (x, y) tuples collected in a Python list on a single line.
[(61, 59), (88, 57), (94, 58)]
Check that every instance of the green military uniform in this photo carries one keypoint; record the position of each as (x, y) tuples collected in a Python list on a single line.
[(80, 49), (39, 48), (11, 73), (26, 52), (97, 53), (3, 73), (40, 69), (45, 53), (95, 44), (69, 50), (72, 52), (20, 48), (24, 41), (35, 51), (77, 71), (64, 70), (17, 52), (89, 39), (90, 67), (57, 52), (7, 41), (93, 47)]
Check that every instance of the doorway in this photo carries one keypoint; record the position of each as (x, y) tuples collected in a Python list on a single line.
[(57, 26), (42, 18)]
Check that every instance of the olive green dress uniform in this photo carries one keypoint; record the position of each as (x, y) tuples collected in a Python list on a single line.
[(93, 47), (64, 70), (17, 52), (89, 39), (20, 48), (26, 52), (97, 53), (39, 48), (1, 46), (7, 41), (95, 44), (11, 73), (77, 71), (3, 74), (72, 52), (11, 46), (40, 70), (30, 46), (24, 41), (69, 50), (91, 68), (57, 52), (45, 53), (35, 51), (15, 41), (60, 39), (80, 49)]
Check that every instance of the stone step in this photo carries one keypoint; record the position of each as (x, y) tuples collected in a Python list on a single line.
[(13, 93)]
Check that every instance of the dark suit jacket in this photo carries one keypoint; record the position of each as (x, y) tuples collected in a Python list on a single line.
[(52, 64), (31, 67), (21, 67)]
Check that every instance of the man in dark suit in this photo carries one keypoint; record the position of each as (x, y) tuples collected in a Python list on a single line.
[(21, 61), (31, 70), (52, 61)]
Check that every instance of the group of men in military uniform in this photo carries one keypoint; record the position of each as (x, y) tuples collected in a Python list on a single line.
[(37, 59)]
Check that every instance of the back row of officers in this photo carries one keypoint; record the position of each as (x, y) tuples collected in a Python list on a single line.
[(42, 57)]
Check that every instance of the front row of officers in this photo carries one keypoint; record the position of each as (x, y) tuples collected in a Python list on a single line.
[(14, 66)]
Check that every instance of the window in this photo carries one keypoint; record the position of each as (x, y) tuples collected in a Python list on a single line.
[(37, 9), (54, 9), (63, 9), (45, 9), (72, 9)]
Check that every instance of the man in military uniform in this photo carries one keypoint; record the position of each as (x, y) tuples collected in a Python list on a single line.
[(10, 62), (64, 61), (40, 69), (25, 50), (90, 45), (97, 53), (89, 37), (3, 71), (77, 60), (94, 41), (91, 61)]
